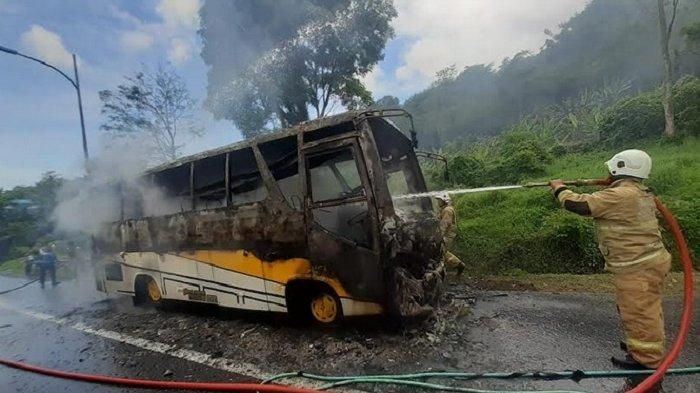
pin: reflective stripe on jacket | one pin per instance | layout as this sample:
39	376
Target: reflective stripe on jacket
627	228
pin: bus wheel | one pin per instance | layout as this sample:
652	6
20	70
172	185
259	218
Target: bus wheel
153	292
147	291
325	307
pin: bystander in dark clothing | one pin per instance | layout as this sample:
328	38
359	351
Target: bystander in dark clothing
47	263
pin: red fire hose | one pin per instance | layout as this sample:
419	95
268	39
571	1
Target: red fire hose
687	315
154	384
644	386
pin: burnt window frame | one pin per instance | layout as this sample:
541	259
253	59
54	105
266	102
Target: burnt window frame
268	172
350	140
261	170
337	176
193	180
151	178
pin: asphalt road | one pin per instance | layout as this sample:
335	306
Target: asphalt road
72	327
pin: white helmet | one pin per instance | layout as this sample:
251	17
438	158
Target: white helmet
635	163
444	197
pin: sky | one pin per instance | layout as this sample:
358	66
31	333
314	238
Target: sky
39	121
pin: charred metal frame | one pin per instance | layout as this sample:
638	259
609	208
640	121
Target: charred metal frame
274	226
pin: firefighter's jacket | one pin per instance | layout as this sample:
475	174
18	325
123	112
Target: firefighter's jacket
448	223
626	224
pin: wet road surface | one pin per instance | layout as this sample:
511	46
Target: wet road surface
72	327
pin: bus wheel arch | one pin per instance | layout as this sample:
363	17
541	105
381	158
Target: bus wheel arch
146	290
313	300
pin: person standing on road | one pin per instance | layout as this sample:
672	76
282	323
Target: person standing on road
630	241
47	262
448	227
29	262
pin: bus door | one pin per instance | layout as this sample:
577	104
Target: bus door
341	217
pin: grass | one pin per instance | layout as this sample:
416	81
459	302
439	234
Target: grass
526	230
15	268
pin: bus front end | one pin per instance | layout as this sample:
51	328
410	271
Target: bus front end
411	241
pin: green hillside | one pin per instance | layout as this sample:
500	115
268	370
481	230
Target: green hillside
610	42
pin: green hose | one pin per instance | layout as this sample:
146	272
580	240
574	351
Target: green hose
410	379
545	375
432	386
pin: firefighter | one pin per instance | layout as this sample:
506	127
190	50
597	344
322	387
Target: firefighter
448	227
630	241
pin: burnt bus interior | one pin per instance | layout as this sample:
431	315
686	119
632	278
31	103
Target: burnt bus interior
234	178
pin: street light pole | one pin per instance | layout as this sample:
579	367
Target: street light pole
75	83
80	108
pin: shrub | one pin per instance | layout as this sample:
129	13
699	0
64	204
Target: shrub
521	154
468	171
633	119
686	97
642	117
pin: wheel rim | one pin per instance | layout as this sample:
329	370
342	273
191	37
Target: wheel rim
324	308
153	291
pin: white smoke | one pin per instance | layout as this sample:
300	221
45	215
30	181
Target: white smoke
85	204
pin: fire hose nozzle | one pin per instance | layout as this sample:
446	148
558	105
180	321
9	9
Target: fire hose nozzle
577	183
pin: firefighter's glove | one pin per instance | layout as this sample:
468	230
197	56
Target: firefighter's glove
556	184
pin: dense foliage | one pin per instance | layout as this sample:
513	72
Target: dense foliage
608	42
24	226
528	146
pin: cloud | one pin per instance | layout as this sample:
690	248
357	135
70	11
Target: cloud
180	51
136	41
176	32
179	13
440	33
47	46
473	32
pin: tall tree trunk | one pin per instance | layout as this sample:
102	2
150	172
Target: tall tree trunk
665	35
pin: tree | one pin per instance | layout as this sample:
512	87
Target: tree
447	74
156	105
387	102
666	29
287	56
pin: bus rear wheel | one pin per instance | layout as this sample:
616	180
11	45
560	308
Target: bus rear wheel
325	308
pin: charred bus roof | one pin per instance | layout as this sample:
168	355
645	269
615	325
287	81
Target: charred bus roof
348	118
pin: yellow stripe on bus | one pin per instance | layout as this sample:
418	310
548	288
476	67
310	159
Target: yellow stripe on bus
280	270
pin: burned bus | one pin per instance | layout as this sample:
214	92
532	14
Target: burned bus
305	221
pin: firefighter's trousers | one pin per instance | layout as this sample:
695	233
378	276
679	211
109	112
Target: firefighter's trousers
451	260
639	303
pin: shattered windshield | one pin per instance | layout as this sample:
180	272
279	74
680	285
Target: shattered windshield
401	171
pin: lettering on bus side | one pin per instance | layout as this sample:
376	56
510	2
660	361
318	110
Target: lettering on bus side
200	296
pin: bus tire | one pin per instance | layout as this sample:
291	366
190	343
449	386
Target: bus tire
146	291
313	301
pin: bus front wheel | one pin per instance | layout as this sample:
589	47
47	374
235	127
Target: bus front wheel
309	300
325	307
147	292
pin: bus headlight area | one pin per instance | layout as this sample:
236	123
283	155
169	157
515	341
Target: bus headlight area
304	221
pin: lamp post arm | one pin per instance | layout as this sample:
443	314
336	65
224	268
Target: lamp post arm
72	82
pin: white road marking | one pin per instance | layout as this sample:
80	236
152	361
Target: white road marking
233	366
